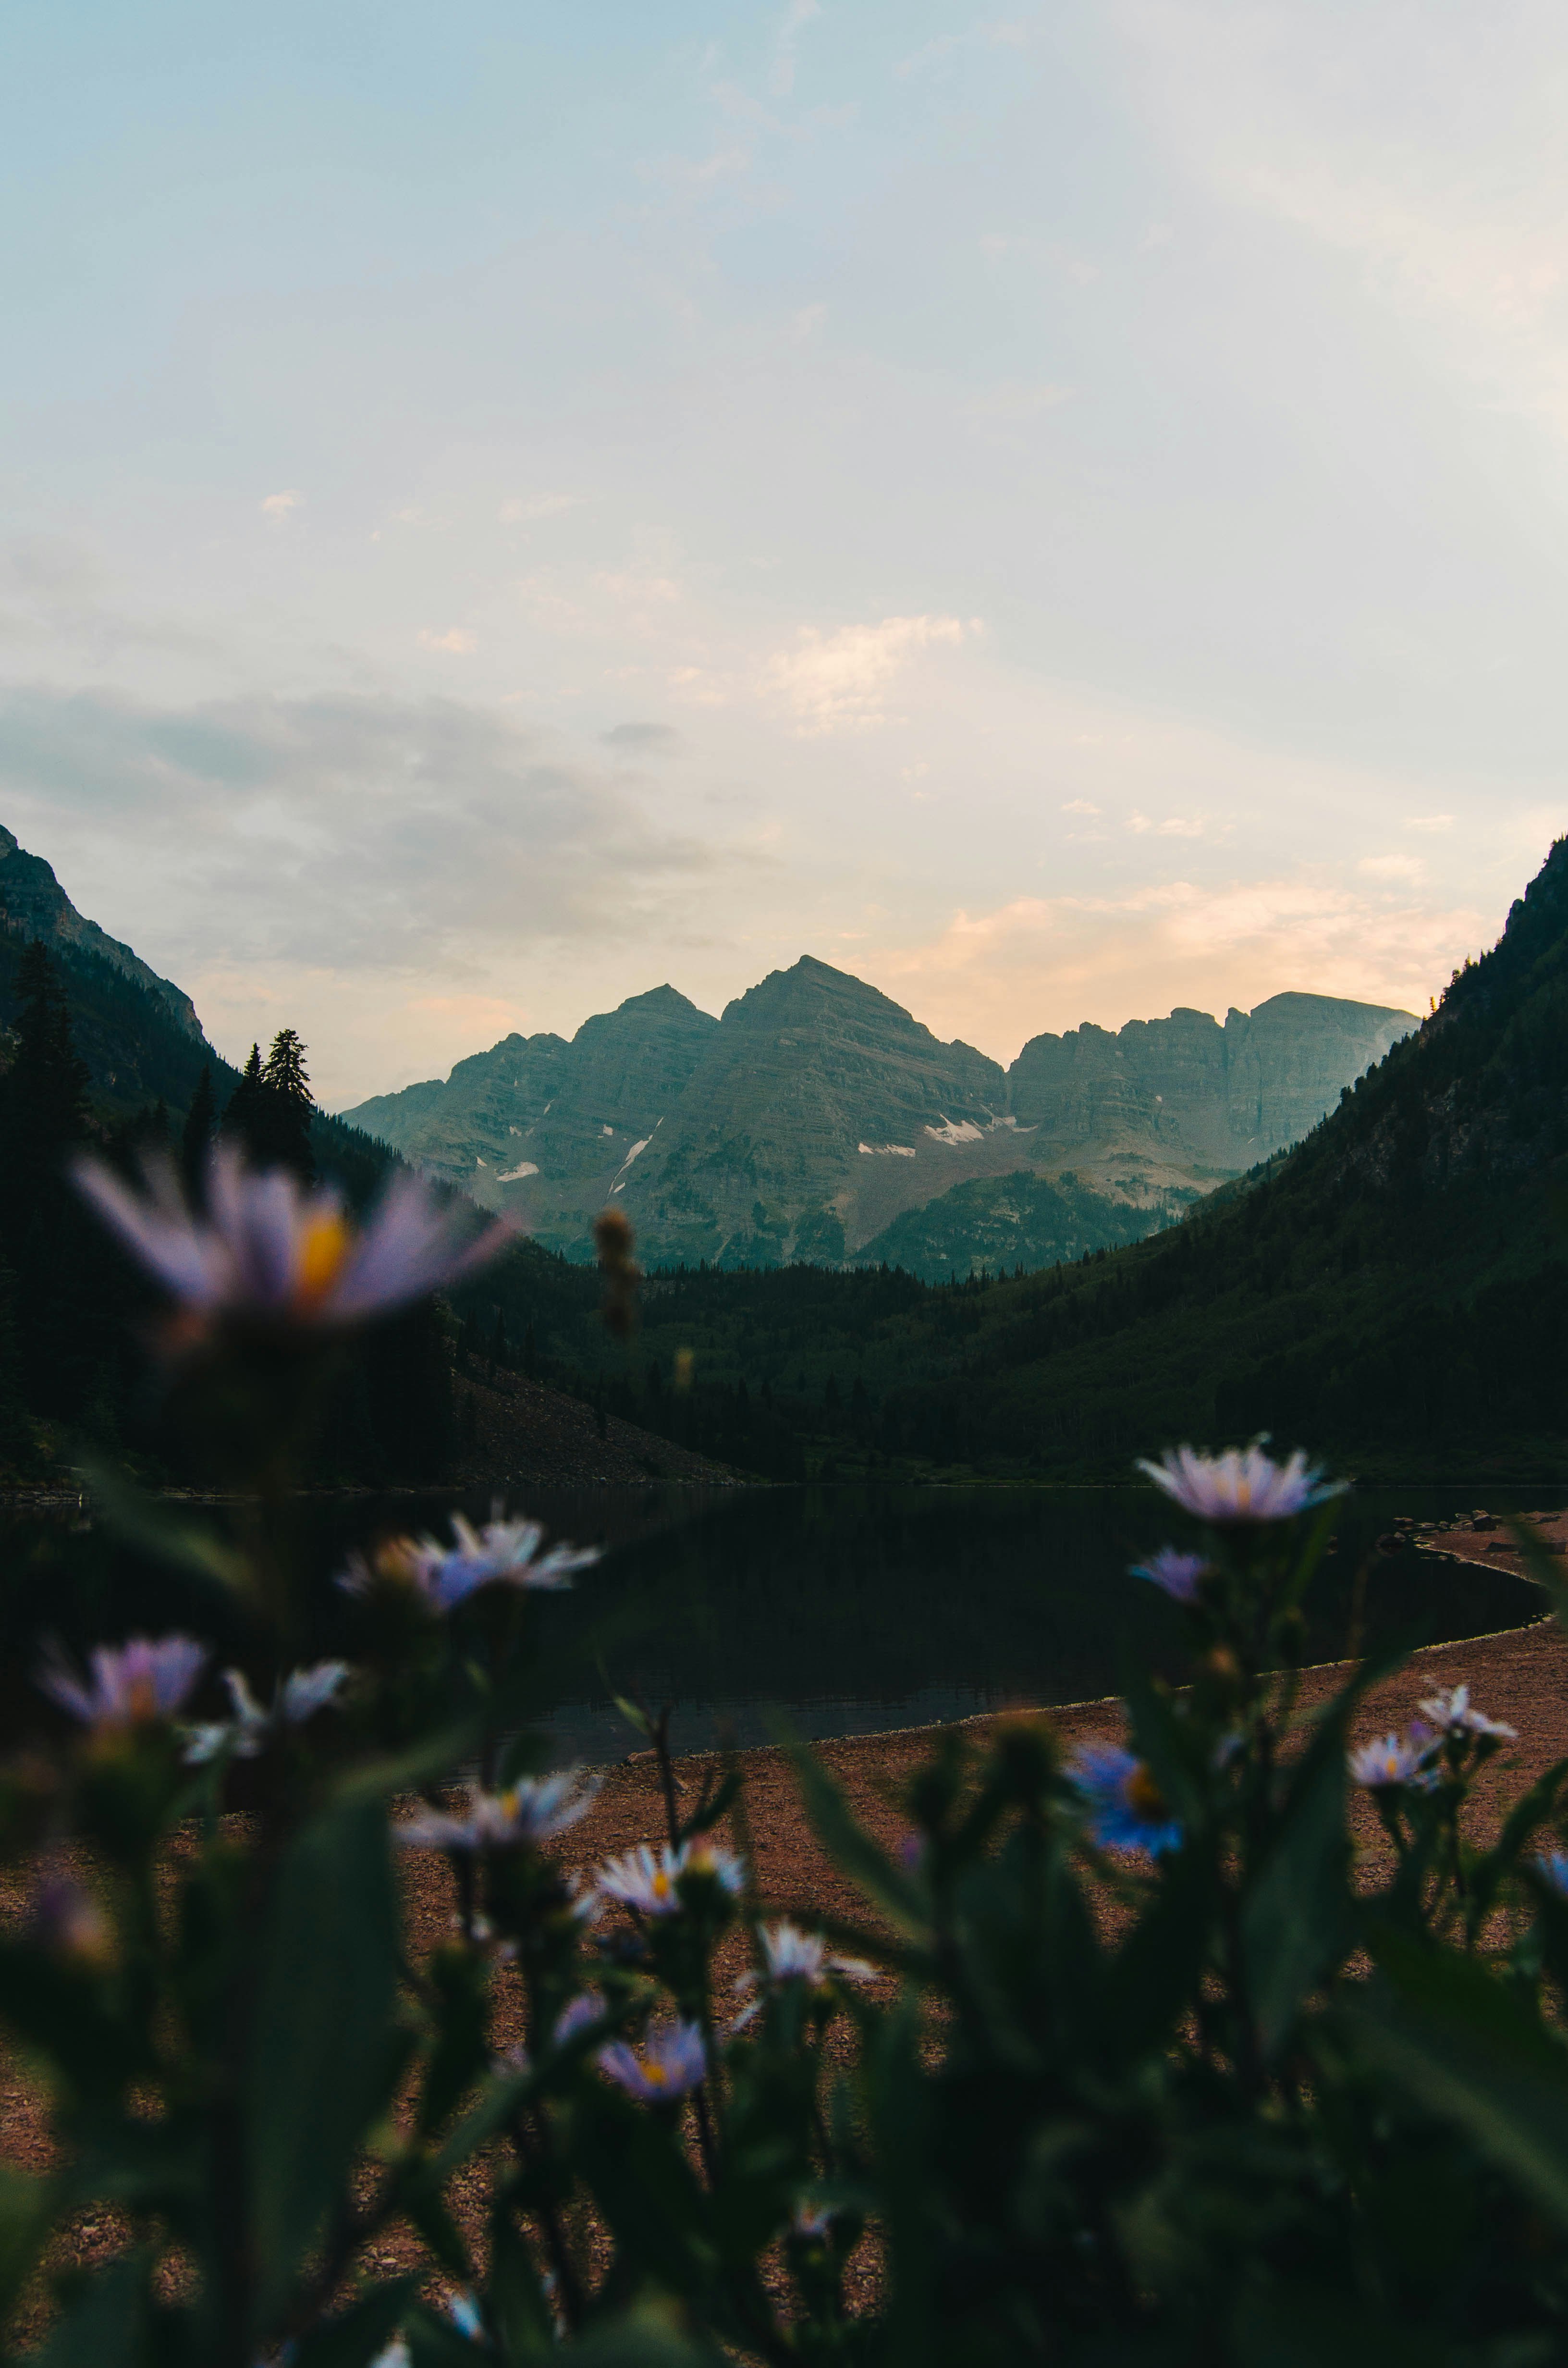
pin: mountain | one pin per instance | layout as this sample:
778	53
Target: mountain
34	905
1393	1293
815	1115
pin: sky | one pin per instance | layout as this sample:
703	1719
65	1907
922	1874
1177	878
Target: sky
1062	513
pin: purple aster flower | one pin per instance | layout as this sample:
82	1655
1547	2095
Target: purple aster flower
131	1684
1391	1761
578	2014
811	2222
299	1697
66	1918
527	1813
504	1552
667	2065
1451	1712
650	1884
1243	1485
1126	1808
268	1248
790	1955
1173	1572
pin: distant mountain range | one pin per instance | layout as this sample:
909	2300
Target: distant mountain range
817	1120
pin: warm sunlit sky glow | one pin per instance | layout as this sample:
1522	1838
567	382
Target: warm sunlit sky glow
1061	513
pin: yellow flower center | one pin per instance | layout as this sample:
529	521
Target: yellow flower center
323	1246
662	1885
655	2074
1144	1796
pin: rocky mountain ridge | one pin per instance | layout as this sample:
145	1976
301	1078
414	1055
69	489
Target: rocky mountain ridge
34	905
815	1112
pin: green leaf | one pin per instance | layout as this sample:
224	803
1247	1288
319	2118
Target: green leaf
900	2103
1297	1919
356	2336
103	2325
651	2334
27	2208
851	1847
152	1529
1471	2051
322	2057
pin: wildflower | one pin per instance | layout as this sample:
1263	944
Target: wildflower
1552	1868
812	2222
132	1684
508	1551
1391	1761
64	1918
268	1248
667	2065
1173	1572
1451	1713
527	1813
650	1885
302	1694
791	1955
1127	1809
578	2014
1242	1486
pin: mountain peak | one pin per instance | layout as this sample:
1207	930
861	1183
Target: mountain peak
34	905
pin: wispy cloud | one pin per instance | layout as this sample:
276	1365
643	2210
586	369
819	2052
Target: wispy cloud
781	72
349	832
279	507
839	681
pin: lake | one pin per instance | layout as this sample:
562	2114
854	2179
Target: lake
852	1609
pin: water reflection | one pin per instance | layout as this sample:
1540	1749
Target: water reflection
850	1609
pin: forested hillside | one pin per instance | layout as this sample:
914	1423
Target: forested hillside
1395	1291
92	1059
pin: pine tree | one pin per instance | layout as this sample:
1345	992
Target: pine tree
289	1105
242	1118
69	1286
195	1136
43	1096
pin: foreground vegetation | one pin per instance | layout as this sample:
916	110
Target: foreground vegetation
1128	2060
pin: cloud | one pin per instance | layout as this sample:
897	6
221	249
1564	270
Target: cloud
832	682
1430	822
781	72
1080	806
1052	962
457	640
347	832
523	508
1002	33
1393	867
281	506
1017	402
645	739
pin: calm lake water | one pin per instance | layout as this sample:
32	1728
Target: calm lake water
846	1609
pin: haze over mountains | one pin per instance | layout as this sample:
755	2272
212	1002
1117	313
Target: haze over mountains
816	1120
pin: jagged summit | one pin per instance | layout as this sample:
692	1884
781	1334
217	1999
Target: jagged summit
34	905
815	1110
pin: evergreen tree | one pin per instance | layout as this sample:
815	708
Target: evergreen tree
287	1106
201	1121
43	1096
242	1118
69	1288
